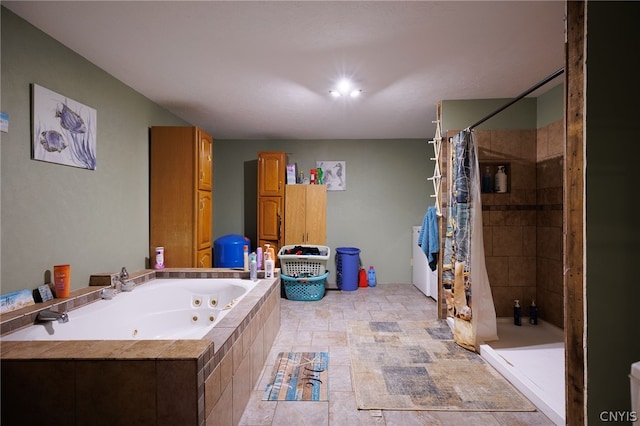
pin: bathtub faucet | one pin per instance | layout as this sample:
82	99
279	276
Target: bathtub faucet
48	315
126	284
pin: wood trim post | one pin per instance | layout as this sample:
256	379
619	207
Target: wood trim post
574	210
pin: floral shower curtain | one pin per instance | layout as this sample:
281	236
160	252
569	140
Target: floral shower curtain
464	274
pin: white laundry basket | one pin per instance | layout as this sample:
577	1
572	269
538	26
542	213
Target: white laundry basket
635	390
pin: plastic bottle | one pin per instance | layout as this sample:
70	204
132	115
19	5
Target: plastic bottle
501	180
533	313
253	267
371	275
245	257
259	258
487	180
268	265
517	313
159	258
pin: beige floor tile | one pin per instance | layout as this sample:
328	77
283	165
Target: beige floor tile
321	326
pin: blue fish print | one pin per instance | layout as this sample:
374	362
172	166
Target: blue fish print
70	120
52	141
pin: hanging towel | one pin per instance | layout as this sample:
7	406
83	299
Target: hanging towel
428	238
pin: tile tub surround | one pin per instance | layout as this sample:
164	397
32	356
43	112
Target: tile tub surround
146	381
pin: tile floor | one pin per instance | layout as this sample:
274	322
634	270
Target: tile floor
321	326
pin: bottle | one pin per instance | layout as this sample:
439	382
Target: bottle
362	278
313	176
253	267
320	181
372	276
501	180
517	313
533	313
245	257
159	258
259	258
268	250
487	184
268	266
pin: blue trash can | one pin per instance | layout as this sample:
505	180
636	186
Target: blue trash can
347	268
228	251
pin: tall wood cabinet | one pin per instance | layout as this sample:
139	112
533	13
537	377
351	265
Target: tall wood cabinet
271	183
181	199
305	214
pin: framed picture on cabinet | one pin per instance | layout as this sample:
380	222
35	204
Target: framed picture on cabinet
334	174
63	130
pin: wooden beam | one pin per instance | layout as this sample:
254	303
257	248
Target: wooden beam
574	208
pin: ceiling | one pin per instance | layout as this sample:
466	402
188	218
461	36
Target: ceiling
263	70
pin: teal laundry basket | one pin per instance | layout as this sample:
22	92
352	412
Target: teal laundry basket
347	268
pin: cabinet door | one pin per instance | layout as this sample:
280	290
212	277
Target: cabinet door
294	215
203	259
203	224
269	215
205	161
315	214
271	173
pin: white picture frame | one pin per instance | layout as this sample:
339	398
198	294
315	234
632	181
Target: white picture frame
63	130
334	174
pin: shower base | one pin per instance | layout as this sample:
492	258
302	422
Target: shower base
531	357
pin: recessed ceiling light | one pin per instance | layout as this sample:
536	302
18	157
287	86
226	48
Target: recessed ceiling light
345	88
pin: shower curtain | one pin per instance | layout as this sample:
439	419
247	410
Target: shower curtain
464	274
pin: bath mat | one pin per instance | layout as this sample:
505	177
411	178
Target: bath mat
416	365
299	376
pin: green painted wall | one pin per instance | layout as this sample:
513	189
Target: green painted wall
97	221
612	226
387	192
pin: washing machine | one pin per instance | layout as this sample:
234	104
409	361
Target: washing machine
423	277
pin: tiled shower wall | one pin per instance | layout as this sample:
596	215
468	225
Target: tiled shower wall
523	228
549	234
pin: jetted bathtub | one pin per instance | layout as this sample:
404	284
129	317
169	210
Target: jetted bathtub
159	309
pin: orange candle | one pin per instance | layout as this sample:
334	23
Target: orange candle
62	280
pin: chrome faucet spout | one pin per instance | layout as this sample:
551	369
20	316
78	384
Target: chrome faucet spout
48	315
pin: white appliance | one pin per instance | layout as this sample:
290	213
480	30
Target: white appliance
424	278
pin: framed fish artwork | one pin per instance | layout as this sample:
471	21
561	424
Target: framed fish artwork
64	130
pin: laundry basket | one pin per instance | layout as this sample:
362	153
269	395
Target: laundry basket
297	265
306	288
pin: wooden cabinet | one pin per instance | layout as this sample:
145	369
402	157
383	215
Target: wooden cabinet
181	199
271	175
305	214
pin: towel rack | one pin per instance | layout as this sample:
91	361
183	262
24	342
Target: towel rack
437	176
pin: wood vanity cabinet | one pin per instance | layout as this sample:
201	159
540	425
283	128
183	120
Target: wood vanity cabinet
181	199
271	183
305	214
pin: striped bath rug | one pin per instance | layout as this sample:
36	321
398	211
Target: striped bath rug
299	376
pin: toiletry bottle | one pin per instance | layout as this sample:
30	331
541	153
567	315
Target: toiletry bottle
268	266
487	184
159	258
259	258
533	313
245	257
372	276
253	267
320	181
501	180
517	313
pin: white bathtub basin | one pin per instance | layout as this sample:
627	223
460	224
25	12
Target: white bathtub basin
160	309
